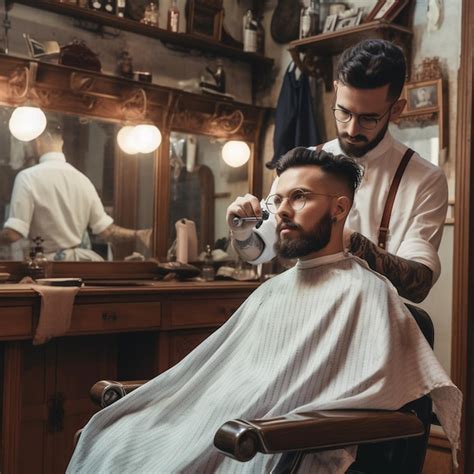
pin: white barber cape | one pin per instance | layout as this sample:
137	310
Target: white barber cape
326	334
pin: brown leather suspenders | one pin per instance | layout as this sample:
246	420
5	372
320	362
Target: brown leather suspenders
387	213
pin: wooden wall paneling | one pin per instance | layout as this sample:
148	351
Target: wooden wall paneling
11	411
462	365
81	362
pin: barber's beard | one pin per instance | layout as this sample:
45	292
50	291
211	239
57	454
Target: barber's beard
306	242
357	151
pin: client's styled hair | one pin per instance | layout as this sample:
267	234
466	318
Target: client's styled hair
339	166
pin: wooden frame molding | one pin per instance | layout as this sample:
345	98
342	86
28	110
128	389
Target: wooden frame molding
462	365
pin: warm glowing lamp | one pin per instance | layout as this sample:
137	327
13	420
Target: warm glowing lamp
147	138
27	123
126	140
236	153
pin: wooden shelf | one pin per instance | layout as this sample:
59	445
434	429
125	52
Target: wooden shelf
329	44
318	50
184	40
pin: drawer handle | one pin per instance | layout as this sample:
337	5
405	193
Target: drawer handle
106	316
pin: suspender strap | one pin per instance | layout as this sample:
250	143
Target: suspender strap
383	230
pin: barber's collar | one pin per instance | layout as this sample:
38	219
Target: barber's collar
318	261
380	150
52	156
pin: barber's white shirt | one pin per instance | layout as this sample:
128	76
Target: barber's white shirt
419	210
55	201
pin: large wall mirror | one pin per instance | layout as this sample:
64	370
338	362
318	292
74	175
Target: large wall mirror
124	183
202	185
144	191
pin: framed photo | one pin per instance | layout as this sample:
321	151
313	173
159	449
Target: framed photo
330	23
349	21
386	10
205	18
424	96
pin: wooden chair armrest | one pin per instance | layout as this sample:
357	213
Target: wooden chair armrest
106	392
329	429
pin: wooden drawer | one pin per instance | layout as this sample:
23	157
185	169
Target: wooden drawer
203	312
112	317
16	322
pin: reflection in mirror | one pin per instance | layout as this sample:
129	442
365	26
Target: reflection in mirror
202	186
61	212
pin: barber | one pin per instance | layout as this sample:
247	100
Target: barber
397	218
55	201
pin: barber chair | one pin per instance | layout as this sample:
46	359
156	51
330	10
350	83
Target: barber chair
389	442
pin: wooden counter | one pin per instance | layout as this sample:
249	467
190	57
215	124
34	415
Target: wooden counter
126	332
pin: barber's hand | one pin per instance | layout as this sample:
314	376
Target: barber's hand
243	206
144	237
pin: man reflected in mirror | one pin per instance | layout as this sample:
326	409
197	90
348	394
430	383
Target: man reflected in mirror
55	201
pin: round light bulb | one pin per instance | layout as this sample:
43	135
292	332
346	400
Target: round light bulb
147	138
127	141
235	153
27	123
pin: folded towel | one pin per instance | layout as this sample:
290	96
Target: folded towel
56	309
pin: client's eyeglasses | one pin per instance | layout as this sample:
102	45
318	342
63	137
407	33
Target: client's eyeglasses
297	200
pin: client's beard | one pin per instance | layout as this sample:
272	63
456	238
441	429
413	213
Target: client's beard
307	242
354	151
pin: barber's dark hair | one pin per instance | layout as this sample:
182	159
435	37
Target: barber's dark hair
373	63
341	167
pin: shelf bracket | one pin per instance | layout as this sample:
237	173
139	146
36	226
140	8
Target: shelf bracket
313	65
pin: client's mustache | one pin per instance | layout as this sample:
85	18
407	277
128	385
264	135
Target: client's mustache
286	225
358	138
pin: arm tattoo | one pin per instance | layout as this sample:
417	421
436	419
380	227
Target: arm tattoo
250	248
119	235
413	280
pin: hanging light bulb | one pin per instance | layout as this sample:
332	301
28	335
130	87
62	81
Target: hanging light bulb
27	123
147	138
126	140
235	153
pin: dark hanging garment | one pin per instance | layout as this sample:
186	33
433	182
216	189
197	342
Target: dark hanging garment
294	117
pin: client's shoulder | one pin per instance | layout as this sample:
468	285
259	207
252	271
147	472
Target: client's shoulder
364	276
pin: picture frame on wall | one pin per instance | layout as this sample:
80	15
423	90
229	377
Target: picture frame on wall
349	21
386	10
204	18
423	96
330	23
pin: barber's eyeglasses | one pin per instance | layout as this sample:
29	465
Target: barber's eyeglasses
297	200
369	122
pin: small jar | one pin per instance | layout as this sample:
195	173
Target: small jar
152	14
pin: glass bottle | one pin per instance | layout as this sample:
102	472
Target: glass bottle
152	15
173	17
314	13
208	269
309	19
40	264
121	4
250	33
109	6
